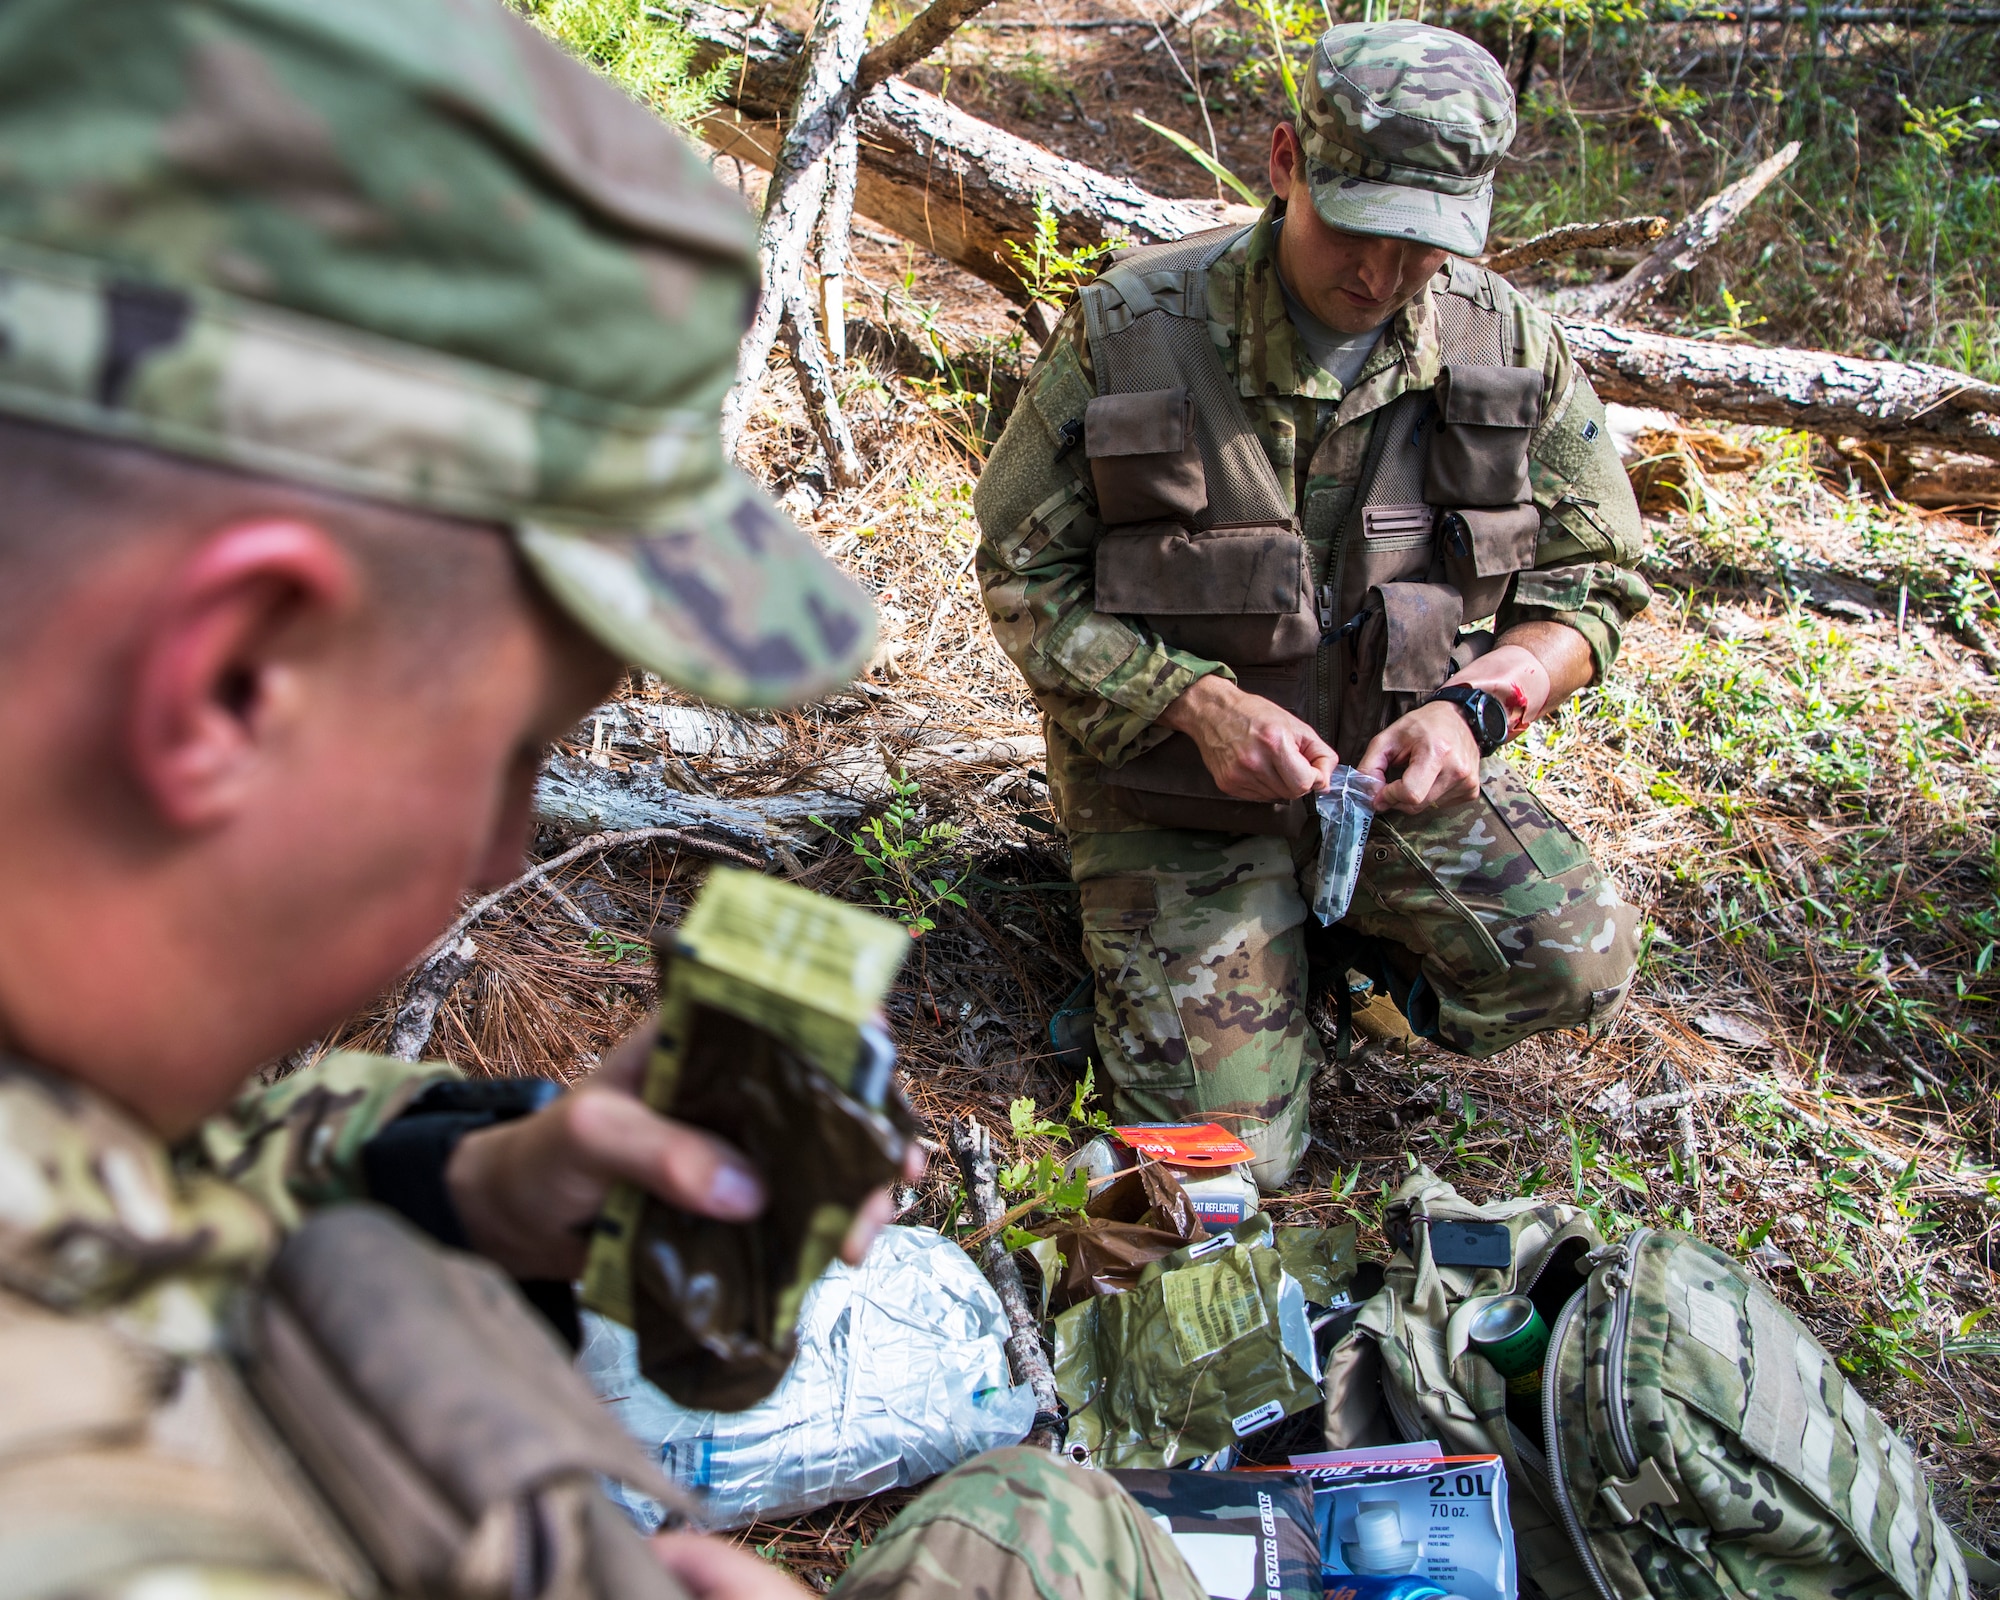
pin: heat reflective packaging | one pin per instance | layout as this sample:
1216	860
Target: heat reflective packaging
1346	808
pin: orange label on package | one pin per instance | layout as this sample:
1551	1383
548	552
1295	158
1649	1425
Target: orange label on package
1187	1144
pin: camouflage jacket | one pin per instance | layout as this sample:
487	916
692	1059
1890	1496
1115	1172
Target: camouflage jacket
1103	680
127	1446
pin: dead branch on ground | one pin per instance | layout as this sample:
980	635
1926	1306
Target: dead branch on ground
1574	236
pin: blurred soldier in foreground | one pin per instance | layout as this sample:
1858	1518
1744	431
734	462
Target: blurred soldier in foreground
359	373
1260	489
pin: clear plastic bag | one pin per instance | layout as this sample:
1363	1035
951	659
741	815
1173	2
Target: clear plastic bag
1346	808
901	1374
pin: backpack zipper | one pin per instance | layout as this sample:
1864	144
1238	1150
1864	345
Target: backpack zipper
1552	1441
1618	1278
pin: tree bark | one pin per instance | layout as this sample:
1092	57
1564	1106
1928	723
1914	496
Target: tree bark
800	174
1839	396
836	238
962	188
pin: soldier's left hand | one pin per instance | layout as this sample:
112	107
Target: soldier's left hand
1435	754
527	1191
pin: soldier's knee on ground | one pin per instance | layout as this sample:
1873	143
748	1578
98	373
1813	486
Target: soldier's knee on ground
1519	930
1196	946
1569	967
1021	1524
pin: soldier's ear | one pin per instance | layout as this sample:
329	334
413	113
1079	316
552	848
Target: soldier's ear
221	669
1286	154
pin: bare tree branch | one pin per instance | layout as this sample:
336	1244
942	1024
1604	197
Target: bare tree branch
1574	236
1681	249
927	30
799	179
972	1149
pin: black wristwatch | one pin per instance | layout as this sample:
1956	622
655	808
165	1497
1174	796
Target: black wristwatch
1484	715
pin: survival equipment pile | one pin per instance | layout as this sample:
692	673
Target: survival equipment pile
1691	1438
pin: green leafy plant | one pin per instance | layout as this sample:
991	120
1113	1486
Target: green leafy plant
910	871
645	51
615	950
1202	159
1037	1176
1048	270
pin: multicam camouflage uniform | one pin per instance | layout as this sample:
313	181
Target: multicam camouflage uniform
1196	938
406	250
130	1455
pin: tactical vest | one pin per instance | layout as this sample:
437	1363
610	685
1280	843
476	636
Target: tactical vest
1348	615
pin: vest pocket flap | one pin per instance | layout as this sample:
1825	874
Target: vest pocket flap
1154	422
1422	621
1499	540
1160	569
1491	397
1479	456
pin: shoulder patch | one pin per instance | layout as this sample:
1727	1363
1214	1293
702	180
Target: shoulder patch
1060	391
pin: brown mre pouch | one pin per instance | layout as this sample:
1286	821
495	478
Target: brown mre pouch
1144	459
435	1413
1239	595
1139	1217
1479	453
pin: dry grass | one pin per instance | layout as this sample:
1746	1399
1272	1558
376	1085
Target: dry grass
1800	795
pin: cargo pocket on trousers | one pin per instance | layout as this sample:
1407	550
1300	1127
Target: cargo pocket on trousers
1408	891
1139	1026
1544	838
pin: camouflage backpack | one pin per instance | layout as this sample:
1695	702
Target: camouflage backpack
1695	1441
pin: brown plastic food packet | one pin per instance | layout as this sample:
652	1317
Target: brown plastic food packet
768	1040
1139	1217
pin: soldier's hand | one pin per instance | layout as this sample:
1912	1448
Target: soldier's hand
527	1191
1254	748
714	1569
1433	752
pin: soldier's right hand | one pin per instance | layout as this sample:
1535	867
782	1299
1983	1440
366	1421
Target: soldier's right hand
1254	748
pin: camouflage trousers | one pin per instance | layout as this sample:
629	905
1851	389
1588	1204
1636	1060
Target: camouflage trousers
1021	1525
1198	942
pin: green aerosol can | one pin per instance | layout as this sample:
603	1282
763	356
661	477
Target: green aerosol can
1509	1332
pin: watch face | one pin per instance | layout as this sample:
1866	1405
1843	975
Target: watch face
1492	720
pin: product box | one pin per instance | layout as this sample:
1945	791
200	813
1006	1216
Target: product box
1443	1520
1211	1163
1248	1535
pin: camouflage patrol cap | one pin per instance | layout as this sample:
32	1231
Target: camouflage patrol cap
408	249
1404	126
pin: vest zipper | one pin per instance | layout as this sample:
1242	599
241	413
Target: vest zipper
1553	1439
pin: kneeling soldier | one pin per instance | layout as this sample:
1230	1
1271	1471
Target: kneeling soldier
1318	485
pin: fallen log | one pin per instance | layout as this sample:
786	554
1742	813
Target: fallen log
1840	396
930	172
963	188
578	796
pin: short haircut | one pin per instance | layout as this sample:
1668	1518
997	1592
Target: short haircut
67	499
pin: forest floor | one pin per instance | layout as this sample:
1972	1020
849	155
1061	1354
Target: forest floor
1794	773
